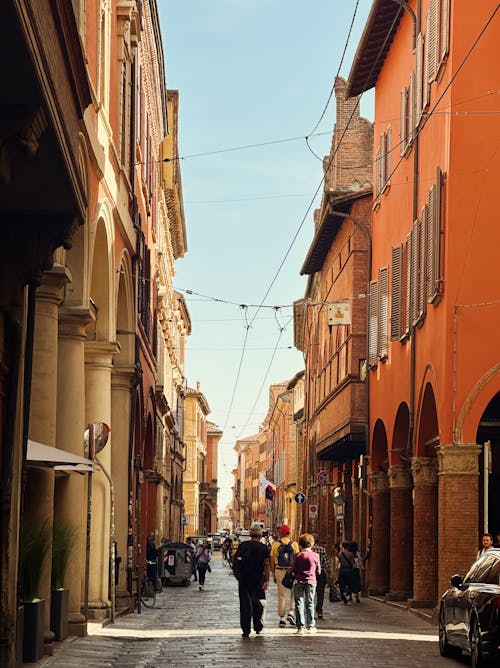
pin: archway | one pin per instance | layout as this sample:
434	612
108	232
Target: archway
488	432
379	514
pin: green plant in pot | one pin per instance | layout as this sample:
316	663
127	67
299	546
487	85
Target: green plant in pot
33	548
63	538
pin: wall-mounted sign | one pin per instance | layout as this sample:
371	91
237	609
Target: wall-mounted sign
339	313
323	477
313	510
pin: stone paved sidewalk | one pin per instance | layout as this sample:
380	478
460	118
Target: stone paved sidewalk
201	629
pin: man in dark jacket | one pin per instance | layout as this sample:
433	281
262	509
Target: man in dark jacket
251	568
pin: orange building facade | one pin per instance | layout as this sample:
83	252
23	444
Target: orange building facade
434	377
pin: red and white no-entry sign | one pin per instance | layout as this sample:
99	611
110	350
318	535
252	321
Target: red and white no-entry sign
313	510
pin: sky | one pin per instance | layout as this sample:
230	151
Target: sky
251	72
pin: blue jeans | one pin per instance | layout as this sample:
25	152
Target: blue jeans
304	604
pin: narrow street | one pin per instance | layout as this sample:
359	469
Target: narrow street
197	629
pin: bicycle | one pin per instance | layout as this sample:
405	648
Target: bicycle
149	586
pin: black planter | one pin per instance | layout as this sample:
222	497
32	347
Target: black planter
19	634
34	613
59	610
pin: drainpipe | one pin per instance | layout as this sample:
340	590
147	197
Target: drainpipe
111	537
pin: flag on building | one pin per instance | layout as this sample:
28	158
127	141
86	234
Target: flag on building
266	487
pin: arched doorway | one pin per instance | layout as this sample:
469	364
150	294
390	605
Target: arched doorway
379	514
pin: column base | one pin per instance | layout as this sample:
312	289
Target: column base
99	610
420	603
77	625
377	591
398	596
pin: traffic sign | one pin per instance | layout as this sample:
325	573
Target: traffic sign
313	510
323	477
300	498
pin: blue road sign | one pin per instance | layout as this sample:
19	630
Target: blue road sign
300	498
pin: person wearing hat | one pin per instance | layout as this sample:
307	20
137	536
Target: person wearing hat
283	551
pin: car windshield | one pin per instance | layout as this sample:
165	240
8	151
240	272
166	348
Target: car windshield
480	569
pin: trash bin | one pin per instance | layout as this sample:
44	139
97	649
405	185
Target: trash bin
177	562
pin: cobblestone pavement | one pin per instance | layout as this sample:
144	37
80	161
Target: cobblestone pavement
201	629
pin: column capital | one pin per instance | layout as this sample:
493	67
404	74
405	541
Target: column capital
458	459
101	353
379	481
399	476
51	288
72	323
424	470
123	376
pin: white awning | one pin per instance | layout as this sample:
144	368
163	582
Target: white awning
46	454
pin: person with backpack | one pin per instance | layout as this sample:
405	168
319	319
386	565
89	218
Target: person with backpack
282	554
251	568
306	568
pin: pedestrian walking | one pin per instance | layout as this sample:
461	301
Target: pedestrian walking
357	568
152	560
202	558
346	577
282	553
306	568
323	578
251	567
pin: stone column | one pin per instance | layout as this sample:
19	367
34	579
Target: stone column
98	366
39	496
401	532
121	387
425	519
70	496
458	523
378	563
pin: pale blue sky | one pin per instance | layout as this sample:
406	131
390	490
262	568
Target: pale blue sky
248	72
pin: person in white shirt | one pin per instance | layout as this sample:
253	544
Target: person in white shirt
487	544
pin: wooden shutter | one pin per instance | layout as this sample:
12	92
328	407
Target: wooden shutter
412	108
433	37
408	283
419	78
422	263
444	42
396	292
430	244
373	324
437	235
426	89
383	311
415	246
403	124
379	172
388	147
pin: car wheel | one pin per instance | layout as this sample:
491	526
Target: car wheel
477	658
445	649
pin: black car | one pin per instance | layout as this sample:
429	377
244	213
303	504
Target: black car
469	612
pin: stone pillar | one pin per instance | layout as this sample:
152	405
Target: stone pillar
458	484
401	532
70	491
39	496
378	563
121	387
98	366
425	532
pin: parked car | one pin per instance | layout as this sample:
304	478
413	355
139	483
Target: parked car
469	612
216	541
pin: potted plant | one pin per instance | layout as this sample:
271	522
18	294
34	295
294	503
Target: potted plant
33	548
63	537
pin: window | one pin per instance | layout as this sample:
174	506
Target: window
415	247
422	229
373	324
383	312
383	162
396	292
437	37
403	122
433	269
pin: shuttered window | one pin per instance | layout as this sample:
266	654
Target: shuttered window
396	292
379	172
403	121
408	255
419	79
434	240
444	45
383	311
426	89
373	325
415	247
433	38
388	148
422	263
412	108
